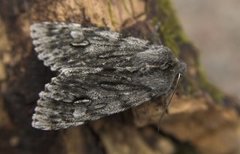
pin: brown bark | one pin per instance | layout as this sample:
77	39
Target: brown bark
201	119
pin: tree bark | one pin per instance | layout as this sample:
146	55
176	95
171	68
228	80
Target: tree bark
201	119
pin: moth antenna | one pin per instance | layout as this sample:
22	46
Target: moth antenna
168	103
174	90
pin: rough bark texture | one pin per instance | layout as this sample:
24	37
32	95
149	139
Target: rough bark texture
201	118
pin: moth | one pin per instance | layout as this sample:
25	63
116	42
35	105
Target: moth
99	73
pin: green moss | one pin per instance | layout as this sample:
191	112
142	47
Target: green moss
216	94
174	37
172	33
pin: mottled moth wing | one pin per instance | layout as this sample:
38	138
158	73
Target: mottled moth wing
100	72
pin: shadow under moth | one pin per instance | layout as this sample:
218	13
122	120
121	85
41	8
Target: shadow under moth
100	72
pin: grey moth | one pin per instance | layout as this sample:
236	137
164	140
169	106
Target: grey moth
100	72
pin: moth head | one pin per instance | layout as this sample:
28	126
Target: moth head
156	57
158	68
